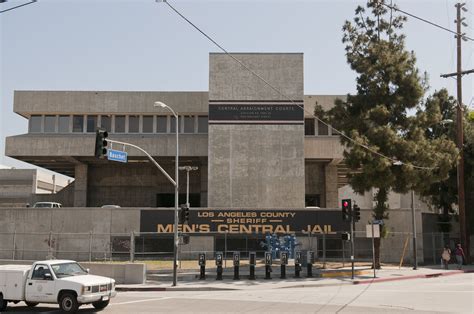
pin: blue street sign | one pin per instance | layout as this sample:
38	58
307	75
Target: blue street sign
116	155
378	222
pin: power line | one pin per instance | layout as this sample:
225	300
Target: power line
393	160
18	6
426	21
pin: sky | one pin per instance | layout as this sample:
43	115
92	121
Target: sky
142	45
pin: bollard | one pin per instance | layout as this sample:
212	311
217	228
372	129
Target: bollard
219	259
268	265
236	259
310	258
297	264
284	262
252	262
202	266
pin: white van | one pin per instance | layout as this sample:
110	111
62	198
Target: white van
47	205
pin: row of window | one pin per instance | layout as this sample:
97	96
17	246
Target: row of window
314	127
117	123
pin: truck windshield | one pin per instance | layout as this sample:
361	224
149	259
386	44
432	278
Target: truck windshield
68	269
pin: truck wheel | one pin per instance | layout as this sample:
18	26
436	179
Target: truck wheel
99	305
3	303
68	303
31	304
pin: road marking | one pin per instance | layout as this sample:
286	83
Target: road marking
139	301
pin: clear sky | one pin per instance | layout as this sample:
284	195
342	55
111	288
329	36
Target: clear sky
142	45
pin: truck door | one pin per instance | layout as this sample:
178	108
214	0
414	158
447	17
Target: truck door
40	286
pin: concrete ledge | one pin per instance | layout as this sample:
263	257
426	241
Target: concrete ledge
126	273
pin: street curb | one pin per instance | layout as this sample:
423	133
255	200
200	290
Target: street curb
432	275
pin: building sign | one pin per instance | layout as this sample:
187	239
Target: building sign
246	221
258	112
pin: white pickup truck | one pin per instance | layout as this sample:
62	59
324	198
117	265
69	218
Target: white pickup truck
54	281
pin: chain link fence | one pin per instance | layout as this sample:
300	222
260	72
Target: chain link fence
395	247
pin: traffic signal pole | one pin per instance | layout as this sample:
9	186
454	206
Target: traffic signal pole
352	246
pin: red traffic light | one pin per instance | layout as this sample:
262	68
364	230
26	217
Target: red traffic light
345	204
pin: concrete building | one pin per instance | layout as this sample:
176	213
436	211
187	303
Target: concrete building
255	149
19	187
249	152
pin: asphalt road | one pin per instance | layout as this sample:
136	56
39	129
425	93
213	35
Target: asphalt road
447	294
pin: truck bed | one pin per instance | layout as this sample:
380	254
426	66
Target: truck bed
12	281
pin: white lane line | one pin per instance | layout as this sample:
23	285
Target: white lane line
139	301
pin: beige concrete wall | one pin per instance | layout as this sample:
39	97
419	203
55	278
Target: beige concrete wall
110	102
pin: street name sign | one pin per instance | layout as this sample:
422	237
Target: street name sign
116	155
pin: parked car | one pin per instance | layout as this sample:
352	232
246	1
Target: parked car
63	282
110	206
47	205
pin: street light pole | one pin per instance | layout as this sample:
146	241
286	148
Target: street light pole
413	220
176	196
188	168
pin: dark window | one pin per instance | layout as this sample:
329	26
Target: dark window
202	124
309	127
105	123
78	124
161	124
63	125
322	129
39	272
173	123
35	124
91	124
312	200
119	124
147	124
188	124
49	124
133	124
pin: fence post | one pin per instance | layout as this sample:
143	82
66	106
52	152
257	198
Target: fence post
14	244
343	253
324	250
132	246
90	246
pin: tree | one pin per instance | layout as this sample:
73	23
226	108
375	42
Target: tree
376	122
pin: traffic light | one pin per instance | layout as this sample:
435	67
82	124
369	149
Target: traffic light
184	214
100	143
346	236
346	209
356	213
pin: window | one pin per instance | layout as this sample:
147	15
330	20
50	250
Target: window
202	124
322	129
147	124
49	124
105	123
173	124
188	124
312	200
91	124
40	271
309	127
78	124
63	125
119	124
133	124
35	124
161	124
334	132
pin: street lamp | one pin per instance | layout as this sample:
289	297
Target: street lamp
187	168
176	190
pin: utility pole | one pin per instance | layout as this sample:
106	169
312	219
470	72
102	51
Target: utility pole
459	130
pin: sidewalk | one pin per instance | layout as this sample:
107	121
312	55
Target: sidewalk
190	282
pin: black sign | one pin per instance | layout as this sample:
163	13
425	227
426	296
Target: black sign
268	258
202	259
254	112
246	221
